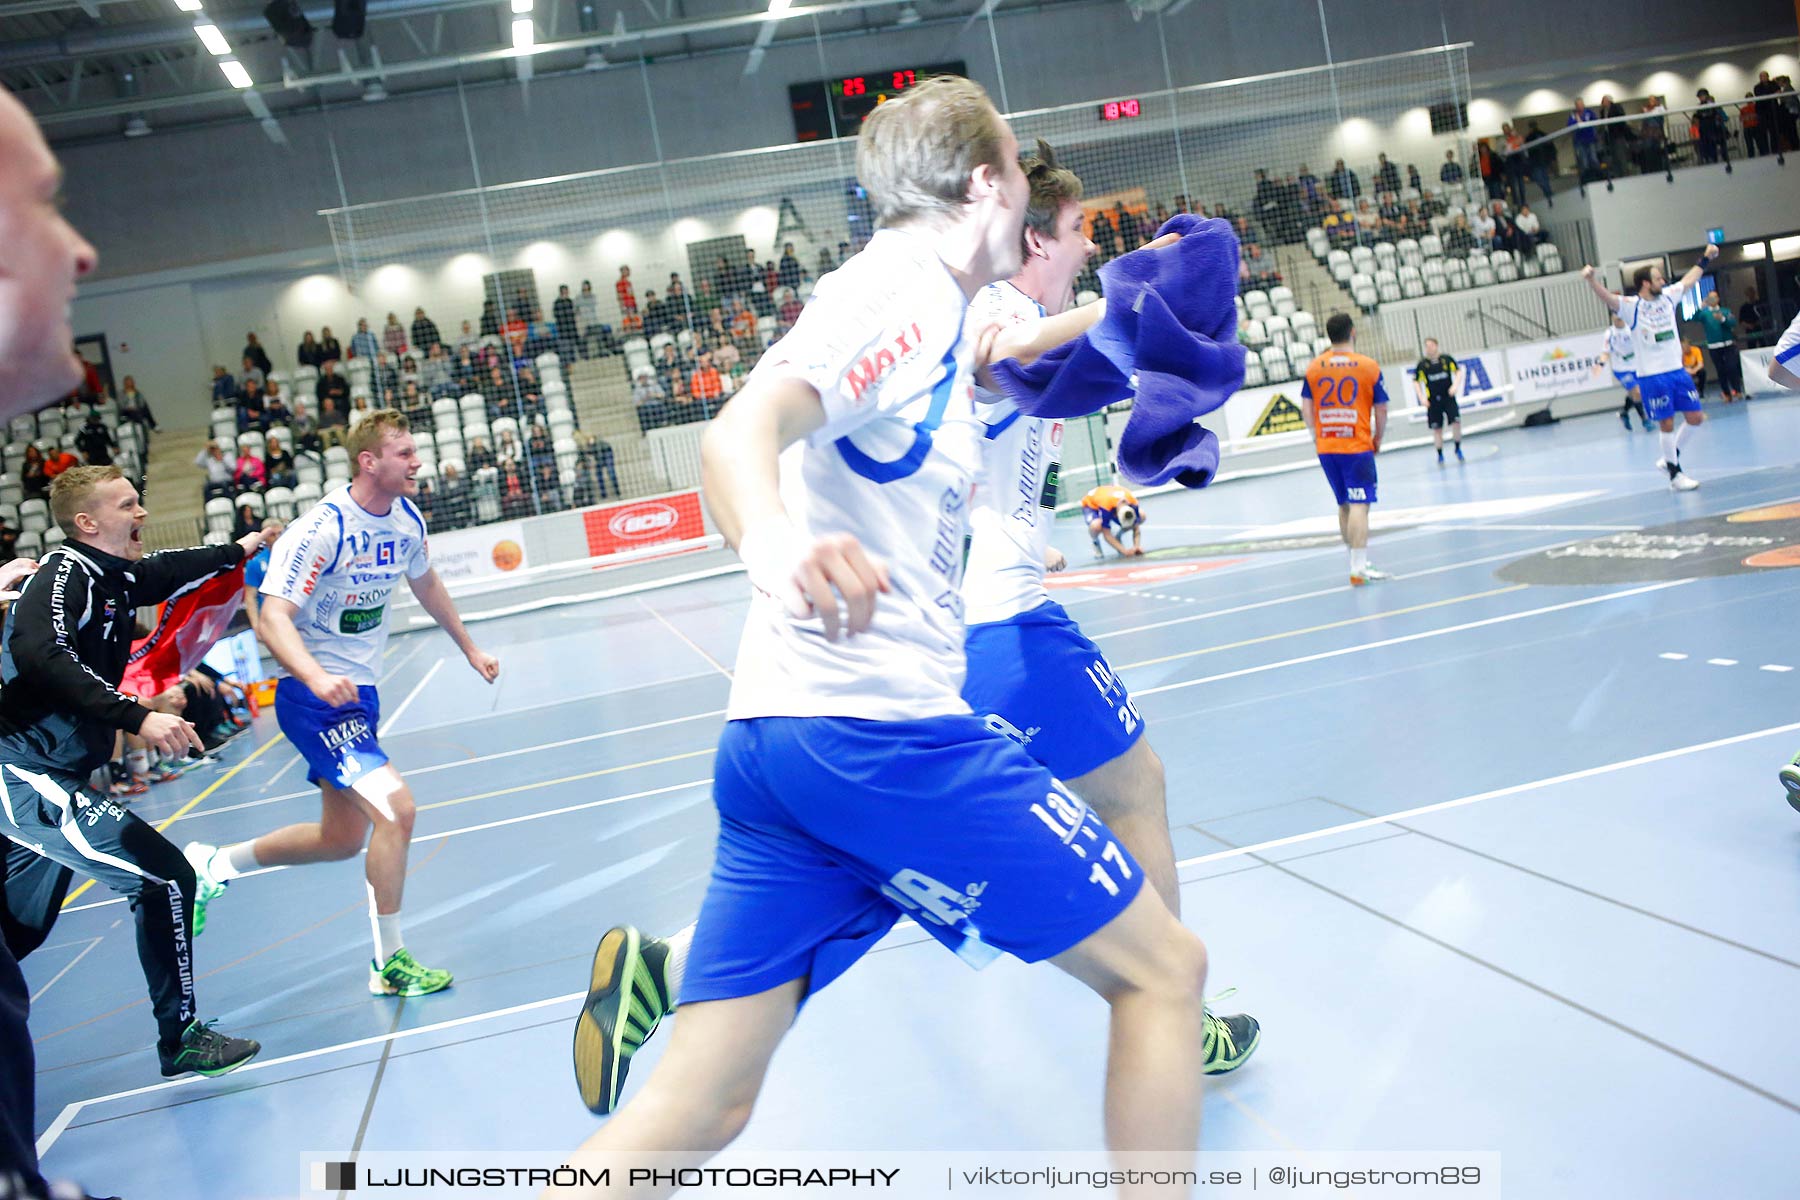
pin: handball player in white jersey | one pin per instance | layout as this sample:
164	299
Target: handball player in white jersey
1652	315
1784	371
324	615
853	783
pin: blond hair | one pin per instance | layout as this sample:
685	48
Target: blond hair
368	432
71	491
1052	186
916	152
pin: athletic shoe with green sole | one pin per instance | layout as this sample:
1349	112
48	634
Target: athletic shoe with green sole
206	888
1790	779
1230	1041
628	996
403	976
206	1051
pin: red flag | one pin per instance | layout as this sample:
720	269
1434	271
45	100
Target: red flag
191	622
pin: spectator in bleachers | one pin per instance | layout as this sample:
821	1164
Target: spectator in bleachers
568	325
362	342
548	486
34	476
516	331
329	349
1451	173
1413	222
409	371
490	319
1768	112
1721	345
1343	183
331	386
588	335
538	448
594	462
96	441
1753	317
1431	206
424	332
650	399
1387	175
1709	129
251	373
310	353
727	359
480	456
417	407
278	465
1339	226
1506	234
467	373
1787	114
452	500
1412	177
655	315
1459	239
250	406
679	306
1618	136
1265	203
467	339
305	429
515	497
1694	365
1390	212
224	387
359	408
789	310
256	354
1312	196
133	407
1368	223
218	470
704	387
627	298
435	376
1755	136
1483	228
1261	270
1531	230
827	264
789	273
1586	140
9	541
507	448
1487	165
393	336
1514	161
248	474
1653	136
58	461
332	421
1543	158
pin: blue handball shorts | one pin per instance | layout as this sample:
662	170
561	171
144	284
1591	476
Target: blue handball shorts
1038	680
1352	476
831	829
1668	393
1628	379
338	744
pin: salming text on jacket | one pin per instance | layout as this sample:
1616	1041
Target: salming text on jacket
66	642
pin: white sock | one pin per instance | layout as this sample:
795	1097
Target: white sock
1670	445
1681	434
228	862
680	944
386	928
137	762
1359	559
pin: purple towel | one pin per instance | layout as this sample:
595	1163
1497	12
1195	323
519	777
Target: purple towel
1171	321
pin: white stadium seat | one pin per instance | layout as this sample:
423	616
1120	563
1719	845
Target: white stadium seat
1274	363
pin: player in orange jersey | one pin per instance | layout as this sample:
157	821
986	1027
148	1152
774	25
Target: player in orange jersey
1110	507
1345	406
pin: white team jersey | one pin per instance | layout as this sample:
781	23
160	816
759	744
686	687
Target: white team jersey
1015	502
1621	349
337	564
882	342
1787	350
1654	323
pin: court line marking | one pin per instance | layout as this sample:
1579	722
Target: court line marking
1411	637
518	820
1347	621
481	758
1335	590
91	943
1495	794
410	697
1455	527
691	643
67	1115
181	812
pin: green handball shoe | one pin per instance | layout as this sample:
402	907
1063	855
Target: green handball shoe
1790	779
1230	1041
628	996
206	888
403	976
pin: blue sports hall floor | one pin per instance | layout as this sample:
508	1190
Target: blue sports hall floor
1495	850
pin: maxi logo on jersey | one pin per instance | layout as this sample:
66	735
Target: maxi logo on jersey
868	372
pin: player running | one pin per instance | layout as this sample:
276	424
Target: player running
1653	315
1345	405
853	783
1033	676
1109	507
1621	356
1438	382
324	616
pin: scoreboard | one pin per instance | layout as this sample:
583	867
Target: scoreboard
844	102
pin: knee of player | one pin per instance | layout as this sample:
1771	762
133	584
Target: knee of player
401	809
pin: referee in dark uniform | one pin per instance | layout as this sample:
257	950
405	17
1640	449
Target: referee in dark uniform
66	642
1438	381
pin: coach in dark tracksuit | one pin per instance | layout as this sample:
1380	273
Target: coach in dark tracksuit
65	645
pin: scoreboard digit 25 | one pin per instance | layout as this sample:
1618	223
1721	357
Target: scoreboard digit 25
829	106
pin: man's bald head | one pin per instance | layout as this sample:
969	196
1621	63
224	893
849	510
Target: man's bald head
41	258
